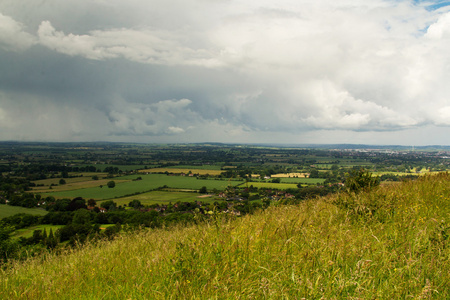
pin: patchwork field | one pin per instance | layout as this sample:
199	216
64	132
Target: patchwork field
182	170
126	186
72	184
287	175
120	167
163	197
303	180
203	167
270	185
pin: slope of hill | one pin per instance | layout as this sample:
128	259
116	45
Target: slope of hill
7	211
392	242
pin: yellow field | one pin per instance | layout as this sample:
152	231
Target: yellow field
185	171
287	175
421	173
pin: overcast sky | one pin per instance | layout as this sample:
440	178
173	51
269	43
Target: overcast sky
285	71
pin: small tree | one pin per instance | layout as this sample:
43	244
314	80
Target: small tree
92	202
82	216
361	180
135	204
111	184
203	190
51	242
109	205
62	181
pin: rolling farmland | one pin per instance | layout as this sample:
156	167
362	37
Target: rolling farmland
126	186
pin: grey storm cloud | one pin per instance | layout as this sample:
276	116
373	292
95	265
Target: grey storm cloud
216	70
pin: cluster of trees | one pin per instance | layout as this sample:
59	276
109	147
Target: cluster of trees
10	186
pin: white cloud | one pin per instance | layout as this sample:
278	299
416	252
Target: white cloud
71	44
13	36
442	116
441	28
145	46
175	130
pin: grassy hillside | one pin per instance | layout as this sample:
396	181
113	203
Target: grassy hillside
391	243
7	211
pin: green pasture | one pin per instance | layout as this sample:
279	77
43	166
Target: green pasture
87	176
71	184
163	197
202	167
123	168
302	180
28	232
149	182
269	185
8	210
180	170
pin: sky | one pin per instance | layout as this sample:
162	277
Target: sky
254	71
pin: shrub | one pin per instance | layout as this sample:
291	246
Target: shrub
111	184
361	180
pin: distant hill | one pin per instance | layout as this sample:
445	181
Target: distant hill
9	144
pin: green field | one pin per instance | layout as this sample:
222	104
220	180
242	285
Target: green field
163	197
302	180
71	183
7	210
202	167
28	232
270	185
181	170
120	167
149	182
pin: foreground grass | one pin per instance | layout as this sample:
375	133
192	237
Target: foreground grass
390	243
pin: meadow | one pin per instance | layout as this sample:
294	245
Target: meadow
269	185
303	180
52	184
178	170
124	168
7	211
198	167
163	197
388	243
28	232
287	175
128	185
